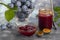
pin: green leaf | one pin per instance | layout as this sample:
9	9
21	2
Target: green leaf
55	19
57	8
9	14
59	24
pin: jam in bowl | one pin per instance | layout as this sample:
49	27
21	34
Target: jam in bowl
27	30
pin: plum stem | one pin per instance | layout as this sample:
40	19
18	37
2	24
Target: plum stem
5	5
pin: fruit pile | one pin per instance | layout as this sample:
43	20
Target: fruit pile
24	8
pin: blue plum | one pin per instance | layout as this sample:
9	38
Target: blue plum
24	8
13	1
28	3
19	9
18	3
11	5
23	0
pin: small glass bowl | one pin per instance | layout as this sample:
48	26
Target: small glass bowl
27	30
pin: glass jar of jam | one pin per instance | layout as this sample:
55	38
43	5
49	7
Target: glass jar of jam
45	15
45	19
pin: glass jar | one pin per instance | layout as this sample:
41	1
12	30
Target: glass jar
45	16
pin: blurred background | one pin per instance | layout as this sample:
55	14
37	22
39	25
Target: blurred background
56	2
